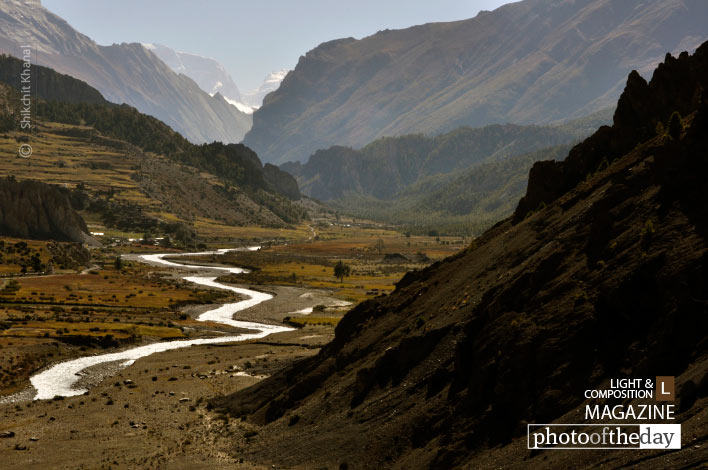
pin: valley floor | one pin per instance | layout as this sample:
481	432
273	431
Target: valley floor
154	414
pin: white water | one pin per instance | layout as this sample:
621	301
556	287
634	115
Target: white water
61	378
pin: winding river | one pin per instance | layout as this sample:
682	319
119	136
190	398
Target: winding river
61	379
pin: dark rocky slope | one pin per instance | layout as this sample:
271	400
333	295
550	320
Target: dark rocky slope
31	209
607	278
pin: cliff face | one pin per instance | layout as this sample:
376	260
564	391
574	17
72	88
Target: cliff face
30	209
608	279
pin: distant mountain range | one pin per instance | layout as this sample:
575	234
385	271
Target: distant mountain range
209	74
213	78
530	62
123	73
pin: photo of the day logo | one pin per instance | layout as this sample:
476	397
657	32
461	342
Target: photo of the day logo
665	388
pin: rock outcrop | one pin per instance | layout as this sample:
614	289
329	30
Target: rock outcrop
678	85
31	209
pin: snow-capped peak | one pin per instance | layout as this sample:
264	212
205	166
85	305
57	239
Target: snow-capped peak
244	108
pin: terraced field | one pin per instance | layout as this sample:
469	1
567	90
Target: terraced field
126	186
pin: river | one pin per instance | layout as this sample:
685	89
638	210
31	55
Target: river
61	379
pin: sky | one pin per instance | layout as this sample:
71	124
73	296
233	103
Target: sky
252	38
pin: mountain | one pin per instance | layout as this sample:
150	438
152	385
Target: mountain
149	169
213	78
606	277
529	62
31	209
123	73
271	83
459	182
209	74
465	202
388	165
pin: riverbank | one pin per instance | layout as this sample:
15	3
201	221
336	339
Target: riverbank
156	415
61	380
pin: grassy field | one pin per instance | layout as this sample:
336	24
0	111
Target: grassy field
16	253
216	231
86	306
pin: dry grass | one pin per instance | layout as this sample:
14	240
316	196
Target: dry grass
107	288
215	230
97	329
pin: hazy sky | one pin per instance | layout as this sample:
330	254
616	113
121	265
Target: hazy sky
252	37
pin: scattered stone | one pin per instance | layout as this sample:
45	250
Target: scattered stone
128	382
184	399
7	434
20	447
34	439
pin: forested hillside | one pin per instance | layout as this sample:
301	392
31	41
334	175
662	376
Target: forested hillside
460	182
